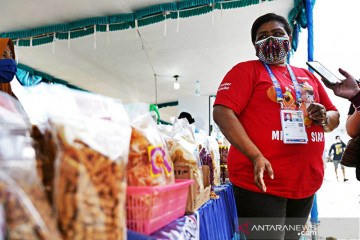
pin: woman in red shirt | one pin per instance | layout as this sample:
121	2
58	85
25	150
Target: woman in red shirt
249	108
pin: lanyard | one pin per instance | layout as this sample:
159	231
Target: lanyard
279	95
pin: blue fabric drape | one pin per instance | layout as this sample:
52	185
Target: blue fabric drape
218	217
310	25
26	78
314	211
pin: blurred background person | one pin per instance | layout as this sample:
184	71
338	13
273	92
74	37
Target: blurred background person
8	65
337	149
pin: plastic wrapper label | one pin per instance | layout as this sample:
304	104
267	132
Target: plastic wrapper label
159	161
156	158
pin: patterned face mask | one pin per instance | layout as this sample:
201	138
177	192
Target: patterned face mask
272	49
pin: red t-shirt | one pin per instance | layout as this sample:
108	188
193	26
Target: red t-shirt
247	89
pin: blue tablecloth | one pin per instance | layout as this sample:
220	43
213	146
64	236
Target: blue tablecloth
218	218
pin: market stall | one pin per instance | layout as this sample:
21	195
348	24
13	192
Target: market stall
115	63
101	167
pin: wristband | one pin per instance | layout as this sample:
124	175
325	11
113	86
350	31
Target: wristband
355	100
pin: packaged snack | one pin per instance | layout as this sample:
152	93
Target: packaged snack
26	211
2	222
90	182
37	101
166	133
58	100
149	161
184	151
12	113
45	152
224	174
206	159
213	147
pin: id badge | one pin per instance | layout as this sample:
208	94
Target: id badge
293	127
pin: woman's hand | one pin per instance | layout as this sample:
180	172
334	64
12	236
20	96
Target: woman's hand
317	112
261	164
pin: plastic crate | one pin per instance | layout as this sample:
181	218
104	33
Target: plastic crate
151	208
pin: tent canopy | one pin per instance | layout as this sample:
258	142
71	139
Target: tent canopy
204	48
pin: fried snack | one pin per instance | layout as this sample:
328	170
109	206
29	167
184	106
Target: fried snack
141	171
27	212
213	195
45	151
90	194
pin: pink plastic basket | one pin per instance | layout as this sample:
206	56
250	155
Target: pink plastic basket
151	208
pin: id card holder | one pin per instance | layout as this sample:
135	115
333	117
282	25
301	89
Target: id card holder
293	127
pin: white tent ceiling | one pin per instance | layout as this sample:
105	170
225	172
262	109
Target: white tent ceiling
202	50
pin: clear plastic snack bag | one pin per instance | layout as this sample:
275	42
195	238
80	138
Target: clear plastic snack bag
184	151
166	133
45	100
150	163
90	185
213	147
27	213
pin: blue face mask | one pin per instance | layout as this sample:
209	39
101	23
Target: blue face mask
8	70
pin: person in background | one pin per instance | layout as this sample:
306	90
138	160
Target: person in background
338	148
272	179
7	65
188	116
349	89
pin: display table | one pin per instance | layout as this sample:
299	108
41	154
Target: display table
217	219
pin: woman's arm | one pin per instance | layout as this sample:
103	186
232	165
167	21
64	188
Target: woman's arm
233	130
353	124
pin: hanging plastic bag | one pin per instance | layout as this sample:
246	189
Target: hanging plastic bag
149	161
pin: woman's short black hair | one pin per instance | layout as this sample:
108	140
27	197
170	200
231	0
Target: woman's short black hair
269	18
